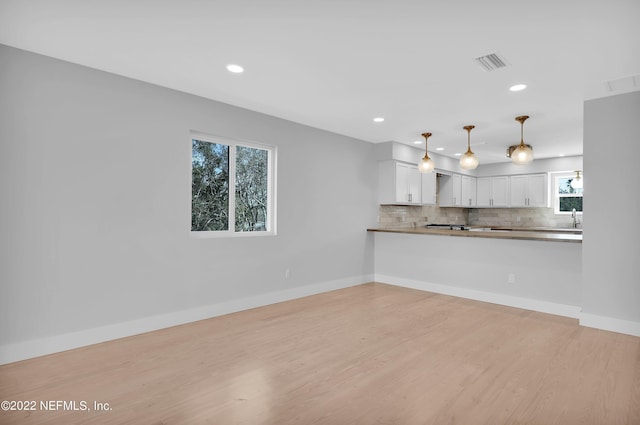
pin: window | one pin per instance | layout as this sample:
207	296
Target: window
232	187
566	198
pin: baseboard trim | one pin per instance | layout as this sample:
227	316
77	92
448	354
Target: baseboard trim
490	297
10	353
610	324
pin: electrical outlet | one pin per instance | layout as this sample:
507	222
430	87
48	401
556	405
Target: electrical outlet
511	278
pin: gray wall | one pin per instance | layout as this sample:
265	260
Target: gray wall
542	165
611	247
95	192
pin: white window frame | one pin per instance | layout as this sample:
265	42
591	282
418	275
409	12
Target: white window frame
271	187
557	196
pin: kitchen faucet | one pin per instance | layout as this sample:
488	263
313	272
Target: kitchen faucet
574	216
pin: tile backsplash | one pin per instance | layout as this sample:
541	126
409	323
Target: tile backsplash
419	215
519	217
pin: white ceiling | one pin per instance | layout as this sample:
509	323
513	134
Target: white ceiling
337	64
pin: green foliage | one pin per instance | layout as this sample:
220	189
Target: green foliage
570	202
209	186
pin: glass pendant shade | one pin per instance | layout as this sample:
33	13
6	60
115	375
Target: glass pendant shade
577	182
469	160
426	164
522	154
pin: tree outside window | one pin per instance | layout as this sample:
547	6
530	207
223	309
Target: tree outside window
566	197
215	168
251	189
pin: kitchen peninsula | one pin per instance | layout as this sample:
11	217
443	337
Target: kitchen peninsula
532	270
532	234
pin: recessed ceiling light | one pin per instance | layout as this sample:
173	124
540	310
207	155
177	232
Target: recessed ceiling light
439	149
378	119
236	69
518	87
457	154
417	142
560	154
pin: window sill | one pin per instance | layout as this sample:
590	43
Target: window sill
227	234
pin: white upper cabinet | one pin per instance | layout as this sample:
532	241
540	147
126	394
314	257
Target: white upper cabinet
399	183
451	190
408	184
457	191
468	192
429	188
519	191
529	190
501	191
484	192
537	190
493	191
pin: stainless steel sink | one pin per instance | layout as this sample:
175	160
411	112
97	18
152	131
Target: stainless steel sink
447	226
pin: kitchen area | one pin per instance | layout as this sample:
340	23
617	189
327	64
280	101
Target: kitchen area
492	234
496	197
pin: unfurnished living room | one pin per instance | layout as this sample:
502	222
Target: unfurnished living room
317	212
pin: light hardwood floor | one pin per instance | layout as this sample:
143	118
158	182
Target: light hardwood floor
372	354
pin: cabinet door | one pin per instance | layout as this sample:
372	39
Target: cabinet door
529	190
450	190
537	190
473	191
484	194
428	188
456	179
415	185
408	184
500	191
518	191
402	183
468	191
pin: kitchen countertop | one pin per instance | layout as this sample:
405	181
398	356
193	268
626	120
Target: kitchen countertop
530	233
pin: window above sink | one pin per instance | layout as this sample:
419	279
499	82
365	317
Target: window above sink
565	197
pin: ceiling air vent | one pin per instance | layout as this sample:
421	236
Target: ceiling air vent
625	84
491	62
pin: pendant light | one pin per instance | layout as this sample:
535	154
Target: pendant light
426	164
469	160
521	154
577	182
